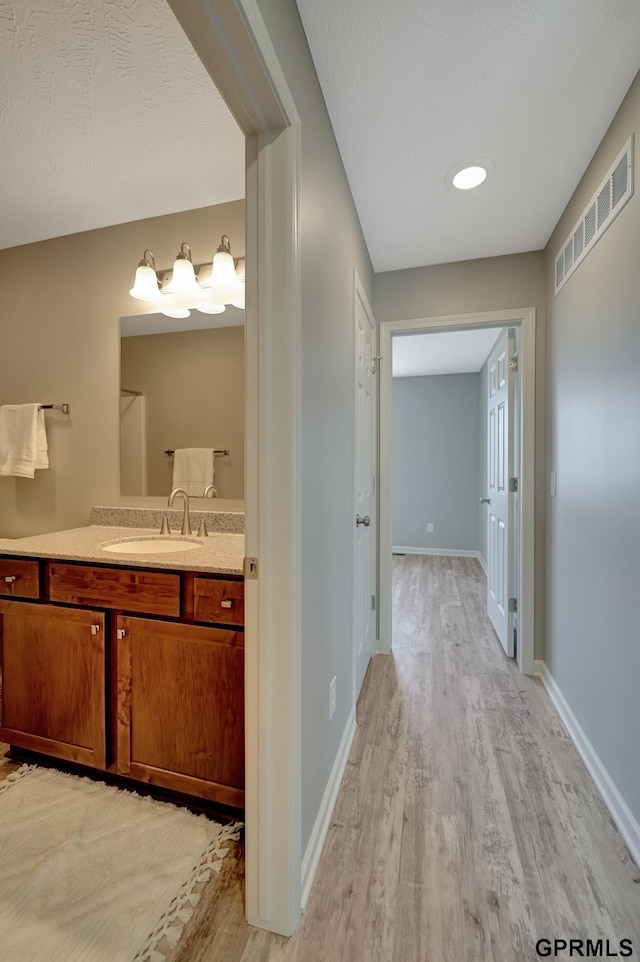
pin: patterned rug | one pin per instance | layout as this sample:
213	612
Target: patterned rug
92	873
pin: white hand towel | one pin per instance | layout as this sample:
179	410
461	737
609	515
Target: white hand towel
193	470
23	440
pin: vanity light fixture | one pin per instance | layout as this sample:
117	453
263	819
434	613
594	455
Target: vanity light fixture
176	293
146	286
183	280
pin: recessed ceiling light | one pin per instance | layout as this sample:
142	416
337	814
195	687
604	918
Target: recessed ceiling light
469	177
470	173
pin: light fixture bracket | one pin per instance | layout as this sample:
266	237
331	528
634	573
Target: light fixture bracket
149	261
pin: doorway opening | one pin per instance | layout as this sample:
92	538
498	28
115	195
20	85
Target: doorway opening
521	503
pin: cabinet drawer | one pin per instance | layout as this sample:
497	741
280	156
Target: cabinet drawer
19	579
127	589
218	601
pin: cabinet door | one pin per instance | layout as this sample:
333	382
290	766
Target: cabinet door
180	707
52	662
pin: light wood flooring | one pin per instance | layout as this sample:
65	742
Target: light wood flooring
466	828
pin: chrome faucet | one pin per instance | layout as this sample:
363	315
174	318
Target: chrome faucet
210	488
186	523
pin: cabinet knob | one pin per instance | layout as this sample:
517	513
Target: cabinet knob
120	633
226	604
9	579
95	629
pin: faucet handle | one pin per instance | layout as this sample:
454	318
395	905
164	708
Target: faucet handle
165	529
202	529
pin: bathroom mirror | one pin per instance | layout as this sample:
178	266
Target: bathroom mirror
182	386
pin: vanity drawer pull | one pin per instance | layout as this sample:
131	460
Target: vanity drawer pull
226	604
10	578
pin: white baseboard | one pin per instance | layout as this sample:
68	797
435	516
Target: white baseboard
618	808
483	563
447	552
321	826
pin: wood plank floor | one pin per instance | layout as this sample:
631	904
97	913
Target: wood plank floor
466	828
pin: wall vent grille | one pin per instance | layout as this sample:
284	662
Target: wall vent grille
601	211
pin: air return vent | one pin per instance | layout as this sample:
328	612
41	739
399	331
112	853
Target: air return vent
601	211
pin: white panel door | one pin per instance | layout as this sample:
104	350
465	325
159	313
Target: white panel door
500	500
364	619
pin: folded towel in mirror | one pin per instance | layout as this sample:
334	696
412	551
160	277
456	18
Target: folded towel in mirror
193	470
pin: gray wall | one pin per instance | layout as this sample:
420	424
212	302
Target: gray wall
486	284
331	247
435	461
593	535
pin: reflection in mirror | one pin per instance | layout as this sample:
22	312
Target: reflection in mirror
181	389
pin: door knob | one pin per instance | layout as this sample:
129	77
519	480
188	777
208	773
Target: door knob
485	500
366	521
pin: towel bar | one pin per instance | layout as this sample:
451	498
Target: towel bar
65	408
224	452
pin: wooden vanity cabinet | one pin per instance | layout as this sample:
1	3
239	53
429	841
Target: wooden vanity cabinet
180	707
111	669
53	681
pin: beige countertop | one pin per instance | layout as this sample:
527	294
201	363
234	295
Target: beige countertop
219	553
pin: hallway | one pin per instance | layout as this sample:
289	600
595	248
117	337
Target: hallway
466	827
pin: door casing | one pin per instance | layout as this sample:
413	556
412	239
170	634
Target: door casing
525	320
234	45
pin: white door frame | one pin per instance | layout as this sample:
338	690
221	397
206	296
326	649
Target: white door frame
232	41
525	320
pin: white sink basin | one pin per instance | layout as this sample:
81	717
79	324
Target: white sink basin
151	545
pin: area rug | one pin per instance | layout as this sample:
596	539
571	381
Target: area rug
92	873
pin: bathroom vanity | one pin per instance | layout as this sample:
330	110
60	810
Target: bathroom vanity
128	663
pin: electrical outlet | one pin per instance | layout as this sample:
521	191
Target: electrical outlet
332	697
429	528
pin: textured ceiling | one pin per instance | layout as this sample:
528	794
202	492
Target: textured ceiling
451	352
417	86
106	116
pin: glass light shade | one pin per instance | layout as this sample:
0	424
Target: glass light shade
239	302
183	280
145	287
469	177
240	270
223	272
176	312
209	308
